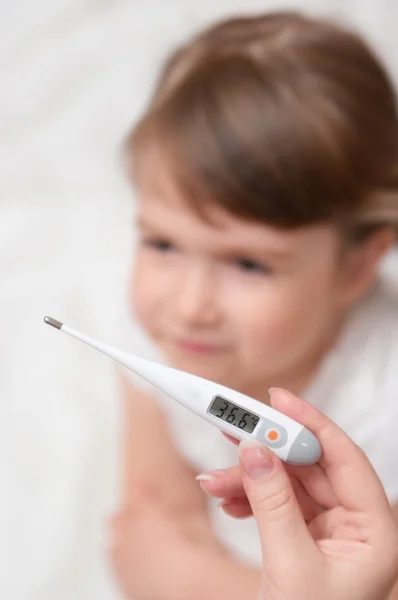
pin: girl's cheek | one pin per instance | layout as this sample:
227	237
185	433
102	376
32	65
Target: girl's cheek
140	310
273	322
140	292
149	291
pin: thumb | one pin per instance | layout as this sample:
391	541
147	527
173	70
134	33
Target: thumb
285	540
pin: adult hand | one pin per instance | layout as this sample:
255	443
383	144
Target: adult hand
327	530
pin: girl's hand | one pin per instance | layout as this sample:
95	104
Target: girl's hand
327	530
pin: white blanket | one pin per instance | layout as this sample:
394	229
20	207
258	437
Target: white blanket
74	73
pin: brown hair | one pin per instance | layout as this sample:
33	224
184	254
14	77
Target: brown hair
281	118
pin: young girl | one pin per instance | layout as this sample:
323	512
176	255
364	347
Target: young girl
266	170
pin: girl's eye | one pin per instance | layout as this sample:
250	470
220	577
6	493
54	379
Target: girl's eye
159	244
251	266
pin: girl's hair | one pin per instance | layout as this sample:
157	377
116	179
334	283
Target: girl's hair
279	118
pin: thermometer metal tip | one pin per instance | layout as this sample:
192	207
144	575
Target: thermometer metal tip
53	322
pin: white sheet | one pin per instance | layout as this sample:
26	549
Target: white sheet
74	74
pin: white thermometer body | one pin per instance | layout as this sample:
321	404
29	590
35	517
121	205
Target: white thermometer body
234	413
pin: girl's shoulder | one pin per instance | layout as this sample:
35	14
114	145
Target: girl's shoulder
371	337
367	348
357	386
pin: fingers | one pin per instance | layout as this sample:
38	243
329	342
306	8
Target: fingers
308	506
283	532
238	508
314	481
227	484
349	472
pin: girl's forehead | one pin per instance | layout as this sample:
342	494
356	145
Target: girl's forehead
174	214
171	216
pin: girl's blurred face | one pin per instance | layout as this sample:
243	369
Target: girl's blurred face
237	302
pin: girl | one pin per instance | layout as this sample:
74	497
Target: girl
266	170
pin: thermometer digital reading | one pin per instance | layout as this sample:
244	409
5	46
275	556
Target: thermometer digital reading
234	413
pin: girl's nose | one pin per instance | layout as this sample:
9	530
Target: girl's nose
196	300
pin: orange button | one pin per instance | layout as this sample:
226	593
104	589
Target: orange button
272	435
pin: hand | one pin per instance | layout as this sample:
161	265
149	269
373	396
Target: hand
348	549
163	544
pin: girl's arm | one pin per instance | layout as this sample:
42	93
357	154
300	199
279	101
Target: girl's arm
164	546
394	592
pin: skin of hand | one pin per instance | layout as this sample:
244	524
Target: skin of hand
163	546
327	531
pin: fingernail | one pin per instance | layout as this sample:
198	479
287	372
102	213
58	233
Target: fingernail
210	476
275	389
205	477
256	459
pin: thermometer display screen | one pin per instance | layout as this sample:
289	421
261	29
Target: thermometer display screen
231	413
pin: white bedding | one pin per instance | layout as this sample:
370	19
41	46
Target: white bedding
74	73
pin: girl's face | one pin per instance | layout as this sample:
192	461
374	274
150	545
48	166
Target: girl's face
244	304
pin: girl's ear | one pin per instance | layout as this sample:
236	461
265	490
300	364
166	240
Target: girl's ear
361	263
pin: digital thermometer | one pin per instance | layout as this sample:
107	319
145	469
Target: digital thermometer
234	413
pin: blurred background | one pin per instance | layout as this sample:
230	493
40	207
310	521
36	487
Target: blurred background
74	75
